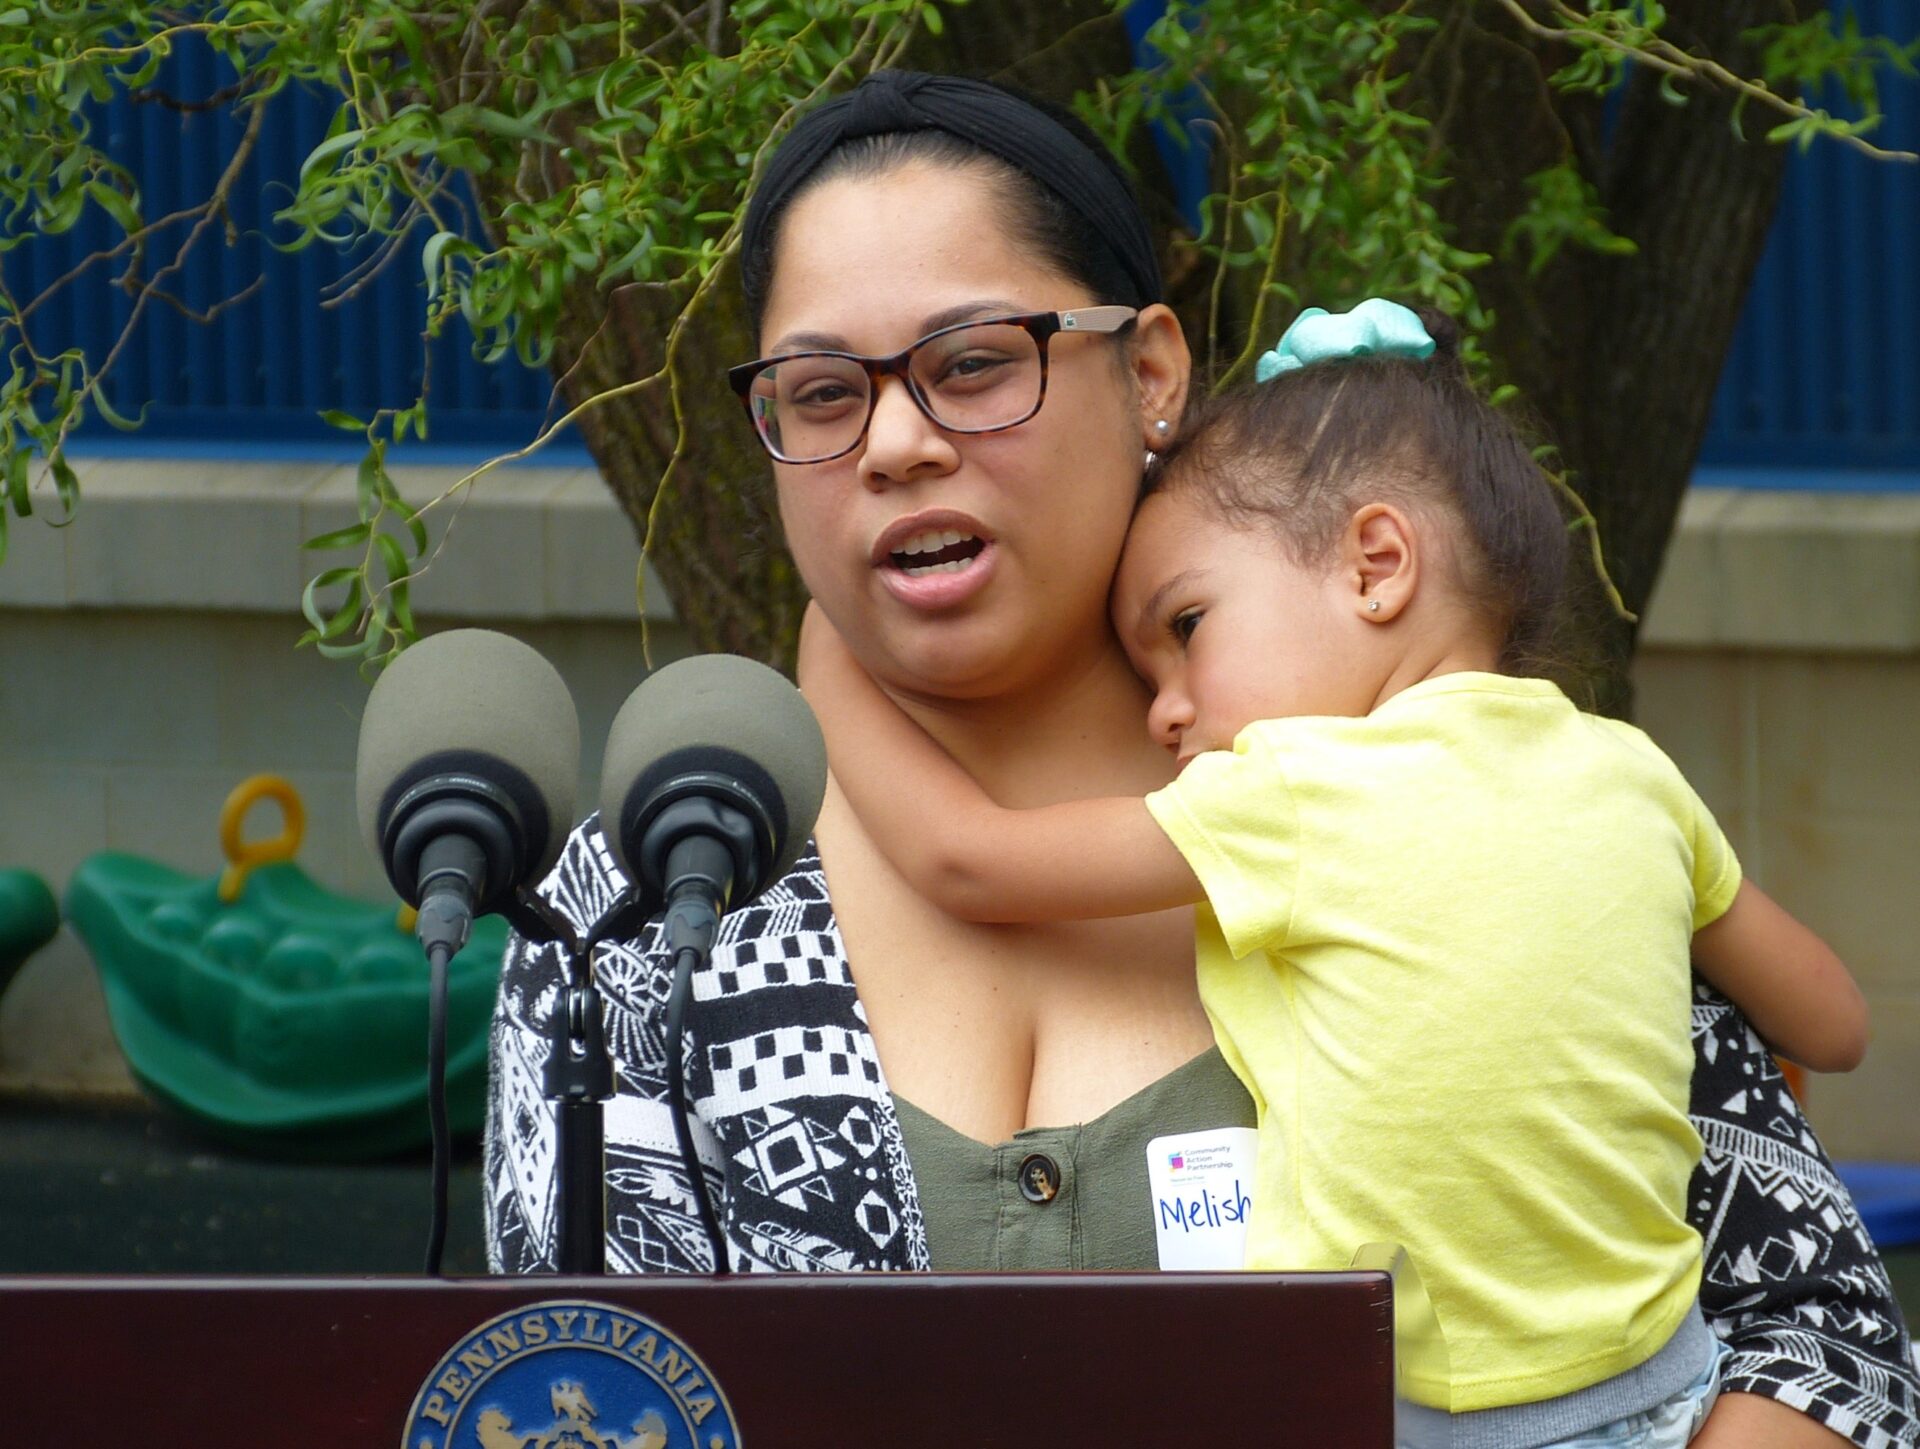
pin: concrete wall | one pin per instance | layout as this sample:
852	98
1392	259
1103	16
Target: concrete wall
1781	666
139	682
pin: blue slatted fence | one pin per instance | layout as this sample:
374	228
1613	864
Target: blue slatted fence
1824	374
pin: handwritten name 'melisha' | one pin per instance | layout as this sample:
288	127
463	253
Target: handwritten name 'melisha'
1206	1210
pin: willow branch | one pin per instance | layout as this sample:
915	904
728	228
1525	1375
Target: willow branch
1663	55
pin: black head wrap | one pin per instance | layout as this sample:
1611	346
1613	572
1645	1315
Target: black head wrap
995	120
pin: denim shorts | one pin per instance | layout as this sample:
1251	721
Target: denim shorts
1665	1426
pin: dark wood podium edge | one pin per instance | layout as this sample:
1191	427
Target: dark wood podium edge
1296	1359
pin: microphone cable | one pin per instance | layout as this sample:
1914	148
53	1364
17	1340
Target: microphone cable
439	955
683	964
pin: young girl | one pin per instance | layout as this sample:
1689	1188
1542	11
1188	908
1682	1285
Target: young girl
1457	911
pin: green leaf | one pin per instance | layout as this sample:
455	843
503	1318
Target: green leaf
416	526
349	610
371	484
310	596
348	537
513	128
65	484
409	32
403	610
98	397
430	255
392	557
359	649
59	212
17	493
119	207
345	422
333	146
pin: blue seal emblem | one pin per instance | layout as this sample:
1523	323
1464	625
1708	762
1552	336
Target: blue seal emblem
570	1375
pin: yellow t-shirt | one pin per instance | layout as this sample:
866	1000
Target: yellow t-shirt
1447	952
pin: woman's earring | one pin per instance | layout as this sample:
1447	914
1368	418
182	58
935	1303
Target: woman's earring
1373	606
1160	427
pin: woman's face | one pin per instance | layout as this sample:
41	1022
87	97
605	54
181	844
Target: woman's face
1039	511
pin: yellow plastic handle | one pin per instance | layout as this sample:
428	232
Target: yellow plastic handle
243	856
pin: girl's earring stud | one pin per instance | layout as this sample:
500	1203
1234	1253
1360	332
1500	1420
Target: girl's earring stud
1161	425
1373	606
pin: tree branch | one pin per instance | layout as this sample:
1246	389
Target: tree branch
1662	55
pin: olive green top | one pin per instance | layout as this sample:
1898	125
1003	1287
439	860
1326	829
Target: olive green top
979	1199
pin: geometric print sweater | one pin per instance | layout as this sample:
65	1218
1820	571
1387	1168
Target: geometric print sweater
803	1153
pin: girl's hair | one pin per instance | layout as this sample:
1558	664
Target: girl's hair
1035	216
1300	453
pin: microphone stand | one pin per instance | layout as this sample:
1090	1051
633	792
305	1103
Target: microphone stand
578	1080
697	845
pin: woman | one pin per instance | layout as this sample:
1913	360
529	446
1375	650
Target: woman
879	1086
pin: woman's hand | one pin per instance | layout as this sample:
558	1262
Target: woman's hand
1748	1421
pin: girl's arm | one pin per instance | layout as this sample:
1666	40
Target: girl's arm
1788	981
969	856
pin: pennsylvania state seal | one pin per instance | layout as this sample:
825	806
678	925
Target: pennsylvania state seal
570	1376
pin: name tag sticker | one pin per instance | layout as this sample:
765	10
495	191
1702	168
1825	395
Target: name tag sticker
1202	1189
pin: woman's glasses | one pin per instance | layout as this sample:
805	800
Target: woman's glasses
977	377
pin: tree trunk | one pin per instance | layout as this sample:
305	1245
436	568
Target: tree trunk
1619	356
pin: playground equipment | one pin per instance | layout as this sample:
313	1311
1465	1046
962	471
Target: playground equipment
29	916
280	1016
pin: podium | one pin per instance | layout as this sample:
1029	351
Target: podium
922	1361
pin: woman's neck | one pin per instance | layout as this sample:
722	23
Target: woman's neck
1076	731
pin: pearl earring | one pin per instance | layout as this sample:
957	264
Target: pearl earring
1161	425
1373	606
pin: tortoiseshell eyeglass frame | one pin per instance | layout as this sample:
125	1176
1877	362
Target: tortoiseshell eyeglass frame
1041	326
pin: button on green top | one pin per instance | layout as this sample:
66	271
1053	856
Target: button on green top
977	1197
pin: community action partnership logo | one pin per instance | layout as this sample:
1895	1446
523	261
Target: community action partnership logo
570	1375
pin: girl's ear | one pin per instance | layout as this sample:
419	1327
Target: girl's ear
1380	556
1161	369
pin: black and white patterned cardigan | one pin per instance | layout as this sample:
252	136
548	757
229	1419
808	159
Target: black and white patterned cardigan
799	1138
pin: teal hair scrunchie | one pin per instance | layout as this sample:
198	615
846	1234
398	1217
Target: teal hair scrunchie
1375	328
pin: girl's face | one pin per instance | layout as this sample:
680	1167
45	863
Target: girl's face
1228	629
1034	517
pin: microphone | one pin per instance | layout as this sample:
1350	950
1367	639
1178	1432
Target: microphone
468	760
464	781
715	769
714	772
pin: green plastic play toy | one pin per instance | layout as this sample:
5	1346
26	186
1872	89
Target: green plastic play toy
29	916
284	1017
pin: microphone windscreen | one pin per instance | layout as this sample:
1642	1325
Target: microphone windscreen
727	715
477	702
